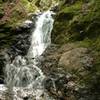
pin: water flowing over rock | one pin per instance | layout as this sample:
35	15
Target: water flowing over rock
24	79
43	39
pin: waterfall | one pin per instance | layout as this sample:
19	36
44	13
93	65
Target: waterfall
23	76
41	37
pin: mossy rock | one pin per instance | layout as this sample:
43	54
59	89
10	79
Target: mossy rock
77	21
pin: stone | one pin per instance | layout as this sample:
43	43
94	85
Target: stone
77	58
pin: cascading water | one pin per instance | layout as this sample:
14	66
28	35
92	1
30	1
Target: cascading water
24	77
41	37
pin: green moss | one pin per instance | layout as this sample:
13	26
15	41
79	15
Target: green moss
29	6
87	43
2	35
79	21
19	12
75	8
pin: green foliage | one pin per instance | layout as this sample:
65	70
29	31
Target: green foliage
17	13
75	8
84	22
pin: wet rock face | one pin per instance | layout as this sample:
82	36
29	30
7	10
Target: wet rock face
21	43
49	59
2	64
43	4
55	8
46	4
77	58
20	46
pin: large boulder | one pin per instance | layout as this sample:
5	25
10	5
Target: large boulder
77	58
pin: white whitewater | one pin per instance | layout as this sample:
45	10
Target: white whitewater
24	78
41	37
